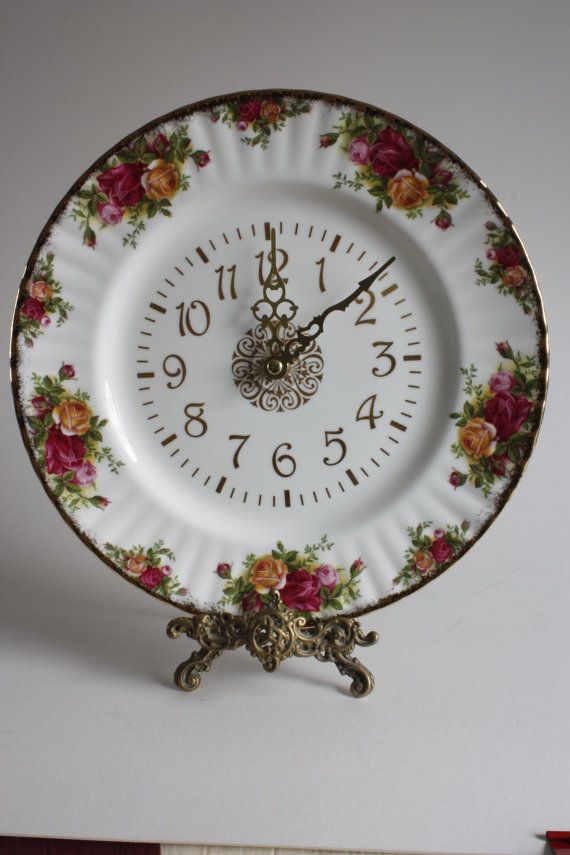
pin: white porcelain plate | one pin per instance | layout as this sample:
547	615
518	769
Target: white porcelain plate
138	365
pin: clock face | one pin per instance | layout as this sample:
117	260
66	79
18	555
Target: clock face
153	412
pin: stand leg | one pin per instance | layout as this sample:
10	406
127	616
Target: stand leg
187	675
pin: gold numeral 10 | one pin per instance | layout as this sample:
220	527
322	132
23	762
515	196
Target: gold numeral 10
186	321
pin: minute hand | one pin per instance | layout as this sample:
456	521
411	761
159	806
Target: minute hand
307	334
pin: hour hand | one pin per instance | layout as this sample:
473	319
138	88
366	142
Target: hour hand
308	333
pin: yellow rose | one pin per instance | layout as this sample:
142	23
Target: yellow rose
270	111
268	573
73	416
424	561
136	565
408	189
478	438
514	276
161	180
40	291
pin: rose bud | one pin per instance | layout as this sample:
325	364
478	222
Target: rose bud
491	254
490	226
465	525
242	125
89	238
45	321
357	567
201	158
457	479
504	349
327	140
438	533
224	571
443	221
100	502
67	370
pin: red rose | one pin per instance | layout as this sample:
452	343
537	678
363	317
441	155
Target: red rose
33	309
508	256
302	591
252	602
122	184
441	550
507	412
63	453
250	110
151	577
390	153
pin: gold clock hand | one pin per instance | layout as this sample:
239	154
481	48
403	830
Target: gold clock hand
291	349
274	310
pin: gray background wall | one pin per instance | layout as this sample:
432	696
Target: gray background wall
464	745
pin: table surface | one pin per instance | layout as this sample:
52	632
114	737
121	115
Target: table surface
463	745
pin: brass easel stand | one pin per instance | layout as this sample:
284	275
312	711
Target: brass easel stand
271	635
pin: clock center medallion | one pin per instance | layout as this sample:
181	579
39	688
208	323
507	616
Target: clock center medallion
294	388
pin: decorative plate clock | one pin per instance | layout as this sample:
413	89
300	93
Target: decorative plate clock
279	358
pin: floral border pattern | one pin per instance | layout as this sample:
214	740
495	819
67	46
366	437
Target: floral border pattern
396	165
430	552
261	117
145	567
506	268
136	184
303	582
67	437
498	419
44	301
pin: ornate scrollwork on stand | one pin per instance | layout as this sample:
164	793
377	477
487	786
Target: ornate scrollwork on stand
271	635
276	394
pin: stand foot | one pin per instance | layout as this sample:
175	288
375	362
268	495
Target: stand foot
271	635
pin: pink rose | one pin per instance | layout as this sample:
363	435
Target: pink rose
122	184
441	550
327	576
45	321
41	406
508	256
167	569
242	125
224	571
443	221
507	412
502	381
33	309
302	591
358	150
252	602
491	254
84	474
249	111
439	533
158	146
442	176
390	153
63	453
110	213
151	577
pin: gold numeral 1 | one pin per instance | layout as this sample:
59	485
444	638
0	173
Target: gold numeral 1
321	265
